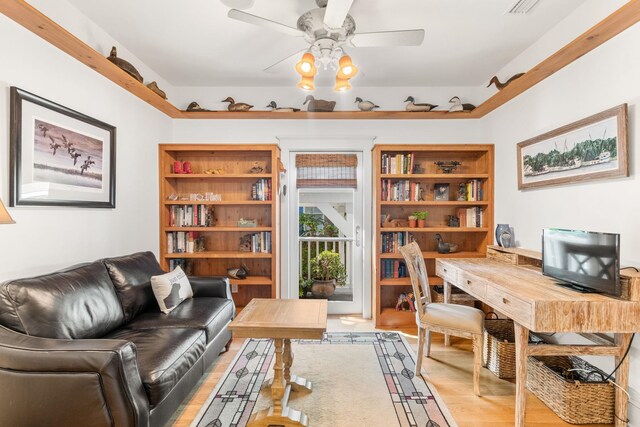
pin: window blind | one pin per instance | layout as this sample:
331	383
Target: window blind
326	170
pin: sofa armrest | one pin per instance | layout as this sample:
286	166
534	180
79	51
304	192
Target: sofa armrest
62	382
211	286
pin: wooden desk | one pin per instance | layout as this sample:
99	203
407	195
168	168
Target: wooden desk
282	320
536	303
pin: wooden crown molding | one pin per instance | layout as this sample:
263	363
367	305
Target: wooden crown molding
38	23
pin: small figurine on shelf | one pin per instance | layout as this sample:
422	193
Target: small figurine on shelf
459	106
365	105
236	106
454	221
444	247
199	244
238	272
245	243
447	166
218	171
402	304
186	168
411	299
177	167
256	168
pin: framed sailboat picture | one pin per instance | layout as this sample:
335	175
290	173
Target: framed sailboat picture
591	148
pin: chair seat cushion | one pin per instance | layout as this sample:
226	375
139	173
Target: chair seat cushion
454	316
204	313
164	356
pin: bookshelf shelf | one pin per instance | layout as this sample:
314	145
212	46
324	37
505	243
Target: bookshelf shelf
218	232
416	192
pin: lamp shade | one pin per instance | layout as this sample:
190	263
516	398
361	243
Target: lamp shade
342	85
306	83
5	218
306	66
346	69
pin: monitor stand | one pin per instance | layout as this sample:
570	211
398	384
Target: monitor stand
578	288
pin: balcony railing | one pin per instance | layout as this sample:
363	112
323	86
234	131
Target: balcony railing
312	246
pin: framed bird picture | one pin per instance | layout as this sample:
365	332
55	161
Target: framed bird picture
58	156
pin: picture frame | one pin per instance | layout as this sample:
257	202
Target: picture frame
441	192
58	156
592	148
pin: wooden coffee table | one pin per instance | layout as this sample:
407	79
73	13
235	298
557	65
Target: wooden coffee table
282	321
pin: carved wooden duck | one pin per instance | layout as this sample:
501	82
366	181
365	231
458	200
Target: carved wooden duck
459	106
412	106
194	106
274	108
237	106
154	87
365	105
445	248
124	65
319	104
500	86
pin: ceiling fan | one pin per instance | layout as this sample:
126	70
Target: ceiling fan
328	28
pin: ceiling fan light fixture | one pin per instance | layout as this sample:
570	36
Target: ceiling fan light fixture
342	85
306	83
306	66
346	68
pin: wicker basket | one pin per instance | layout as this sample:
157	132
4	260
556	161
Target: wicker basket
499	350
583	399
457	296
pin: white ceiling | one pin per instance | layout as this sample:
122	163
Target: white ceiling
193	43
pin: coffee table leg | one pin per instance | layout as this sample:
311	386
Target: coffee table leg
297	383
280	414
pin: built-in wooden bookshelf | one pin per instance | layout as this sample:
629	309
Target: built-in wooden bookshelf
204	207
413	168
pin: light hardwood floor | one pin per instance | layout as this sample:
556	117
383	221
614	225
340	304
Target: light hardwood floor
449	370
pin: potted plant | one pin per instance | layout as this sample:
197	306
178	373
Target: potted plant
327	272
413	221
422	218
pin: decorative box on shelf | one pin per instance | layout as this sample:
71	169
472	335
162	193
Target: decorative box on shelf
243	222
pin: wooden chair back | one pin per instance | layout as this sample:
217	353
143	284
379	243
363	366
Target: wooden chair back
418	274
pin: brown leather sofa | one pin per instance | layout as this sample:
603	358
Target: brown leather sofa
88	346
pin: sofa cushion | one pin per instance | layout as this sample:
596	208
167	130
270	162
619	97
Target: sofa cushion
76	303
207	314
164	356
171	289
131	276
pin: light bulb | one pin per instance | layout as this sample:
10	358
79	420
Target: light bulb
306	66
342	85
346	69
306	83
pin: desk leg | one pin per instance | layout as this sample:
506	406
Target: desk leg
522	342
447	300
622	379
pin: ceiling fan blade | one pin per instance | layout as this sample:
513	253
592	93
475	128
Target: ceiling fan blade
263	22
274	68
388	38
335	13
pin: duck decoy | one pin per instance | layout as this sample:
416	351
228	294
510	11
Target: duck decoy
256	168
319	105
459	106
365	105
239	272
412	106
194	106
274	108
500	86
445	248
124	65
237	106
154	87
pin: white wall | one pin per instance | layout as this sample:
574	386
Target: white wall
46	238
606	77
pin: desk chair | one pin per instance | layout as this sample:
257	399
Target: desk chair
453	319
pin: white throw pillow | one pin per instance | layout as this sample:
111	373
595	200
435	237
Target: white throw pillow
171	289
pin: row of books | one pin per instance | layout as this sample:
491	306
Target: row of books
401	191
471	217
261	190
391	242
191	216
474	192
397	163
182	242
256	242
392	268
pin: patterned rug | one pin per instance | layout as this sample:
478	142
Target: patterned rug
359	379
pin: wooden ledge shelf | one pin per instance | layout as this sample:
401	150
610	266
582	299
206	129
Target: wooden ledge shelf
38	23
252	281
334	115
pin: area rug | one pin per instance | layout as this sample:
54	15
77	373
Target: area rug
359	379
